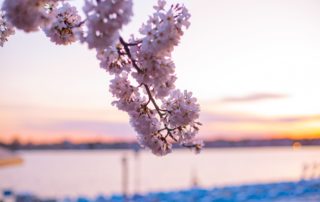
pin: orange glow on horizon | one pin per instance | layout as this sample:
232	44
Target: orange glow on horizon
50	139
78	139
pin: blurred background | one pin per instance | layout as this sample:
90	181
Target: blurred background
253	65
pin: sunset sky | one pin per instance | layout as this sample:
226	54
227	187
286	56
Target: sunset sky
253	64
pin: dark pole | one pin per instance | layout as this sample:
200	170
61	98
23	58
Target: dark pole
125	174
137	171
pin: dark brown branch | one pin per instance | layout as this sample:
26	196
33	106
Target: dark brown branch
170	134
134	44
126	48
153	101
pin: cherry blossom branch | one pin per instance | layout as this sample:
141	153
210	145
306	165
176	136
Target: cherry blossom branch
147	60
151	98
128	52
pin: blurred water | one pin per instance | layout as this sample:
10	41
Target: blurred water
89	173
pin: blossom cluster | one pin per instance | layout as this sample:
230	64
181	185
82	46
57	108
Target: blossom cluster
104	20
65	26
143	70
60	21
28	15
6	29
144	82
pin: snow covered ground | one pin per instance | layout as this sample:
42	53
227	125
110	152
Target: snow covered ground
302	191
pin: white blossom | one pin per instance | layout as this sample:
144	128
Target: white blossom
158	73
183	108
112	62
157	145
104	20
28	15
121	88
147	126
144	123
65	26
160	5
6	29
163	29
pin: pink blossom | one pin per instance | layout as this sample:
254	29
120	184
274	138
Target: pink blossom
28	15
163	29
112	62
65	26
6	29
120	87
104	20
158	73
157	145
183	108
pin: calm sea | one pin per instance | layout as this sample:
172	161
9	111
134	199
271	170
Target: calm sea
89	173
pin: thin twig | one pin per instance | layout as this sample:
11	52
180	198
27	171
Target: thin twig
126	48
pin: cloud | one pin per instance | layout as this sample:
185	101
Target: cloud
227	117
254	97
233	117
89	127
242	125
301	118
